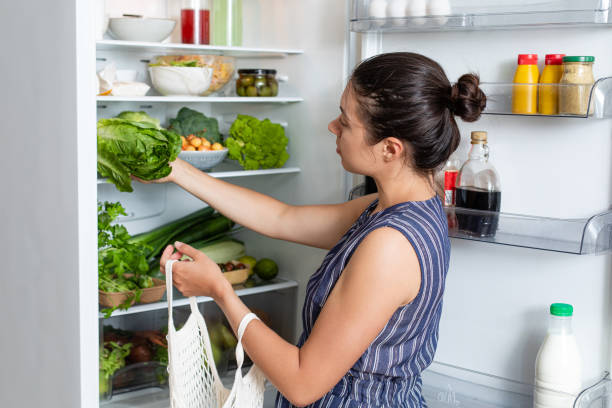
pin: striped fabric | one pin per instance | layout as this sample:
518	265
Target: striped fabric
388	373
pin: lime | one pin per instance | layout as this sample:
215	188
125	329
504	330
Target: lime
266	269
250	283
248	261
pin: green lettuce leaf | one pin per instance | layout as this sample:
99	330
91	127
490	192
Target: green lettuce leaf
133	148
140	116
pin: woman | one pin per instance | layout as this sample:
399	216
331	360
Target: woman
372	309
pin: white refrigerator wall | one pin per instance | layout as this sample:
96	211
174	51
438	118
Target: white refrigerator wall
48	289
496	301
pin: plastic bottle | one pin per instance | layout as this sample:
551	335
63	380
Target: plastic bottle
525	97
227	22
448	179
558	367
548	95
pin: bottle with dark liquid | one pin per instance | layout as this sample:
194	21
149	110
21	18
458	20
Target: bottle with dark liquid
478	188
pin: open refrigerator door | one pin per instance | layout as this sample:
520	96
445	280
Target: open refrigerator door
473	369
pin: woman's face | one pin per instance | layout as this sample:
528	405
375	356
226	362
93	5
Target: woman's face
351	138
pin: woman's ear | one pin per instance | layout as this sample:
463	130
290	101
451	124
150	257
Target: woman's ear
392	149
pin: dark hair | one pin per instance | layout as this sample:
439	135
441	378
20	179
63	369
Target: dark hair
408	96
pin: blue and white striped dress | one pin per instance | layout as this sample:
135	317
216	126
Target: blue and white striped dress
388	373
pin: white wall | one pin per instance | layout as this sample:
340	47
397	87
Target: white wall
46	156
496	299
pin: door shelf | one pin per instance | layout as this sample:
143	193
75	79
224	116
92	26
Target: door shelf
573	236
487	16
499	97
200	99
249	52
446	386
180	300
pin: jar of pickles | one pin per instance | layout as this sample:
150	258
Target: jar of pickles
256	82
576	83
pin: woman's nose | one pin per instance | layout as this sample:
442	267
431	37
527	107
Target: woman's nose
333	126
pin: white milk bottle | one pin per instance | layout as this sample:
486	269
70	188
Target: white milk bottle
558	374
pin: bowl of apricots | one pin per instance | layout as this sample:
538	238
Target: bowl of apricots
201	153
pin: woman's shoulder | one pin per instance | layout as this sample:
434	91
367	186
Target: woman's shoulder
423	223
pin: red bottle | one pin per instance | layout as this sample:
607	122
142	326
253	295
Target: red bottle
188	26
205	22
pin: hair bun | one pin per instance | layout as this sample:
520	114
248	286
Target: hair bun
467	99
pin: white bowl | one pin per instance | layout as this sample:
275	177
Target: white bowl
181	81
203	160
141	29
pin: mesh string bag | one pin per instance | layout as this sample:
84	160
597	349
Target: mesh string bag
193	377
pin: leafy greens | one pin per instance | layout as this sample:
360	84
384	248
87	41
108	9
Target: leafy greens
126	147
257	144
117	256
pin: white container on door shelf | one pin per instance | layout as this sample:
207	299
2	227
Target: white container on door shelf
558	367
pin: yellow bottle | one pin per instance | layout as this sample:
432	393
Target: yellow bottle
548	95
525	97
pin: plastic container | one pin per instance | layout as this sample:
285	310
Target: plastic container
525	97
558	367
577	81
478	188
222	68
256	82
548	95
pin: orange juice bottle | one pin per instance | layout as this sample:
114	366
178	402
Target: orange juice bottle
548	95
525	97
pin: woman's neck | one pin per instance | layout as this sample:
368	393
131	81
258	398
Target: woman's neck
401	187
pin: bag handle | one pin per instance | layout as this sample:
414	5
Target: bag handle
169	264
241	329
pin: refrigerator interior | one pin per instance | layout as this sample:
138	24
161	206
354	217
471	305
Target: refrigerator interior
307	100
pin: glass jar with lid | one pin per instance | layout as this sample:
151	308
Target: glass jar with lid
575	85
478	190
256	82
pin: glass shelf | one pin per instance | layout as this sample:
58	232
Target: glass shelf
499	98
116	45
207	99
180	300
231	172
573	236
469	15
447	386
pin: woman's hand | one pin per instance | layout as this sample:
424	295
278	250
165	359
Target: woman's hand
198	277
175	165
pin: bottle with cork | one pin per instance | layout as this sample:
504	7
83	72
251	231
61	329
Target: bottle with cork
478	191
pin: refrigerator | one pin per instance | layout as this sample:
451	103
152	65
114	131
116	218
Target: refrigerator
553	242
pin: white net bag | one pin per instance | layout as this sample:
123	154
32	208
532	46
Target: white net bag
194	380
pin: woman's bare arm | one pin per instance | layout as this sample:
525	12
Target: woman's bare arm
320	226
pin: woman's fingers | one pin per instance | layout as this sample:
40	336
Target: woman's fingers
168	255
188	250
